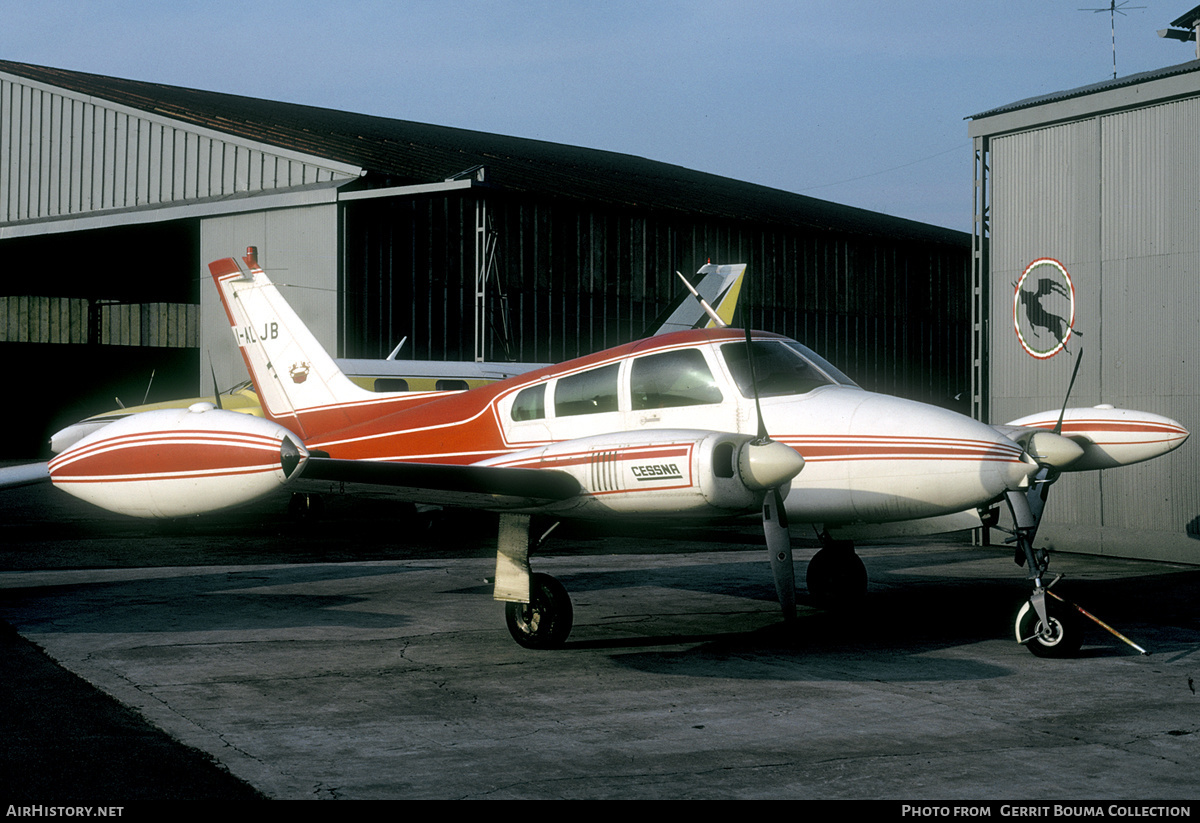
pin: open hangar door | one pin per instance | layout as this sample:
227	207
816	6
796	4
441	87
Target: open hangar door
88	317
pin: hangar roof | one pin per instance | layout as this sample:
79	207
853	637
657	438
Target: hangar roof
1188	19
401	152
1081	91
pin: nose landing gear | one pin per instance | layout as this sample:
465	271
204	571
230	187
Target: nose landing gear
1059	635
1047	625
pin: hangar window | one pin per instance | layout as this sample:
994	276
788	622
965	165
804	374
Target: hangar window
589	392
530	403
670	379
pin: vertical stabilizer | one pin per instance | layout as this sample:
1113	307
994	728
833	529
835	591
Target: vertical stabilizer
294	376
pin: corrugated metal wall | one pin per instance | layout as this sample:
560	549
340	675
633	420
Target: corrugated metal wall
67	155
298	247
1116	199
893	313
34	319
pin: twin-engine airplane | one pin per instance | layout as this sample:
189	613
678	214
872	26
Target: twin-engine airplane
671	427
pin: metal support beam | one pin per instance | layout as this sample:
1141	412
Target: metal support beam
481	273
980	280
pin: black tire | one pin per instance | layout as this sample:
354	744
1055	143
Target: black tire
836	579
545	622
1065	634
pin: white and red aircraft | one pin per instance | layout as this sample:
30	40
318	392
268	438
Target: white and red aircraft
672	427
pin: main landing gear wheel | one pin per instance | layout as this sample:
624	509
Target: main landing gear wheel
836	579
545	621
1062	638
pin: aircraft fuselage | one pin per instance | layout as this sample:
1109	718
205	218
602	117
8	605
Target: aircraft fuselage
639	410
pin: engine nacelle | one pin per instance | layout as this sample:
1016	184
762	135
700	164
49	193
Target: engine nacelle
178	462
1111	437
665	472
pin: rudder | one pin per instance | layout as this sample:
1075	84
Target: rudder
296	379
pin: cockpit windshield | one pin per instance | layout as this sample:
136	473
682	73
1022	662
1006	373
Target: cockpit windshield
782	367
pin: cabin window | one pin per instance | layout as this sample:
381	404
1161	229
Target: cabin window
391	384
670	379
589	392
779	369
530	403
449	384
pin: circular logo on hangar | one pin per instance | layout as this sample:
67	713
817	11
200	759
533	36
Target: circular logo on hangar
1044	308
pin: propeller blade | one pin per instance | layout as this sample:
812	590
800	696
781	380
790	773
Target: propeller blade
766	464
763	437
1074	373
716	318
779	548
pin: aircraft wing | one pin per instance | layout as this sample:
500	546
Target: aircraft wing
483	487
24	475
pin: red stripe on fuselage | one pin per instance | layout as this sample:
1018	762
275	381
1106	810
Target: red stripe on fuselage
824	448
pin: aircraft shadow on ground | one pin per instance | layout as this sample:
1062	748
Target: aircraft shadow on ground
912	611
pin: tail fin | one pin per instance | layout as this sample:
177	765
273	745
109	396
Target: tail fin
296	379
720	288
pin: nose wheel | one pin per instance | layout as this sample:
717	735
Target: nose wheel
1060	635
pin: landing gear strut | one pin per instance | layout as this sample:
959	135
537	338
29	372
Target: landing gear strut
1048	628
537	608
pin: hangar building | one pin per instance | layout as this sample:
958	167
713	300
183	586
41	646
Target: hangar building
115	194
1105	180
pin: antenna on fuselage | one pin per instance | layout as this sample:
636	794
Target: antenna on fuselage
216	391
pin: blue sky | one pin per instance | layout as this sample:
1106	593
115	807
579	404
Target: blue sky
857	102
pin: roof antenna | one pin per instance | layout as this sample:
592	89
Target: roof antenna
1114	8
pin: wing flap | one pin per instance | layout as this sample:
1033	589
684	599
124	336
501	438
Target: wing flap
486	487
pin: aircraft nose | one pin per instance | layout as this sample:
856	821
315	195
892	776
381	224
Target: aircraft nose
976	461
